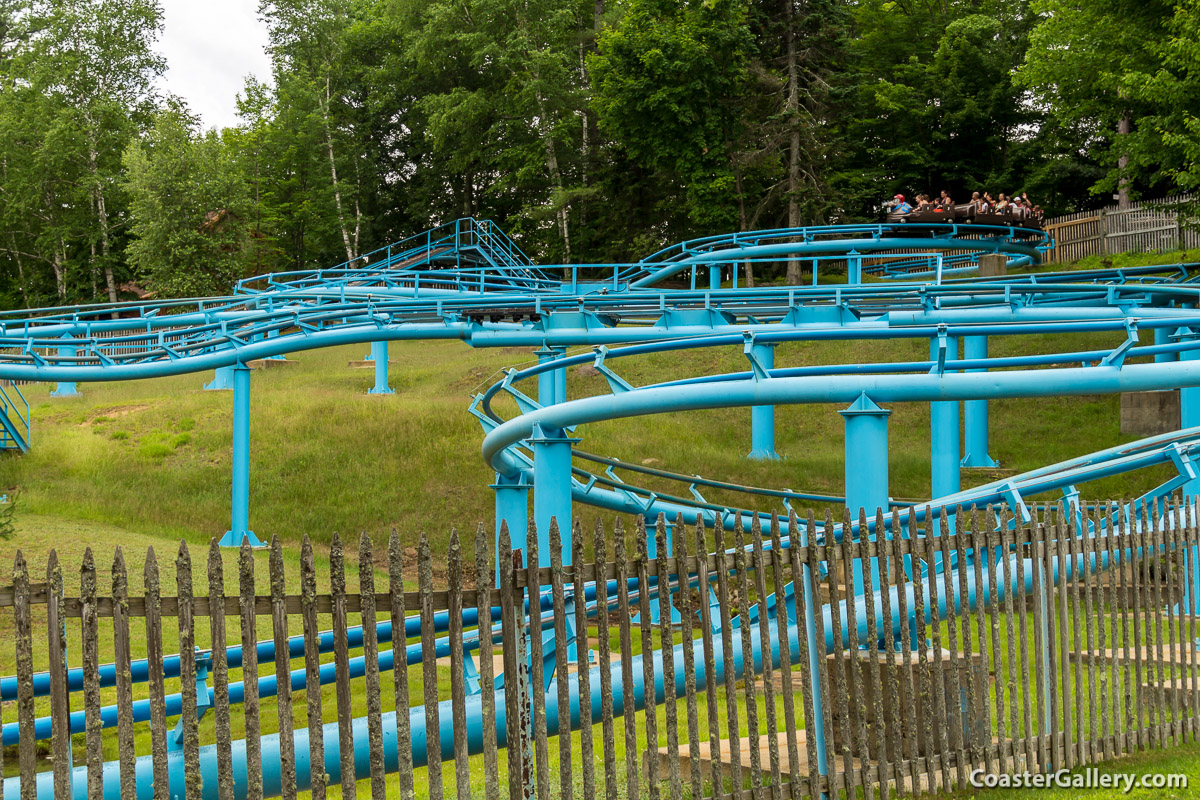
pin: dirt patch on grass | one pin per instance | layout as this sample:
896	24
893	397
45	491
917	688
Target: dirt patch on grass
114	412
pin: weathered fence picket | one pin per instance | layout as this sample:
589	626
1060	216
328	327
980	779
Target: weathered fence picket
124	683
583	666
249	619
157	685
366	588
666	638
563	722
687	613
312	671
60	699
283	677
429	680
650	710
733	727
627	705
708	650
485	577
90	637
608	735
188	732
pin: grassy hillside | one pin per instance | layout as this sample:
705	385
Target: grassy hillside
153	457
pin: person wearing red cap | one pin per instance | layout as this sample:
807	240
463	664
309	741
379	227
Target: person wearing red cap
900	205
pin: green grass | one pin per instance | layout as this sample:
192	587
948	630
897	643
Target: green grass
1124	260
153	457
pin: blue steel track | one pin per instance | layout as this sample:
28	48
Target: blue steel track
468	281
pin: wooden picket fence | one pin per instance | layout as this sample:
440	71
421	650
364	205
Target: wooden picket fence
1094	665
1146	227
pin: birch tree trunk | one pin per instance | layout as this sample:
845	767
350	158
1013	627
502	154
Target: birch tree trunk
101	213
562	213
337	191
20	270
792	109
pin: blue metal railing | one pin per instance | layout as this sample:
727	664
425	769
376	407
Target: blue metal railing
14	434
463	241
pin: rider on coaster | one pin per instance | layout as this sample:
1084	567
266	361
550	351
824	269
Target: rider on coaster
899	205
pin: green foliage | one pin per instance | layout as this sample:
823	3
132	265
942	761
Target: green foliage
668	86
1126	72
189	209
1169	134
79	78
591	130
931	105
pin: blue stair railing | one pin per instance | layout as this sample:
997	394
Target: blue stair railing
15	428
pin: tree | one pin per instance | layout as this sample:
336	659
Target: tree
307	45
931	104
1080	62
80	87
489	113
1164	149
190	209
668	79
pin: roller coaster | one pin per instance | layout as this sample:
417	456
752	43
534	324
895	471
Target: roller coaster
468	281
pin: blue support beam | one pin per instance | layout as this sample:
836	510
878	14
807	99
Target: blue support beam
854	268
1163	336
975	412
239	527
944	442
560	377
222	380
866	469
512	508
1189	406
66	388
762	418
552	384
379	354
552	488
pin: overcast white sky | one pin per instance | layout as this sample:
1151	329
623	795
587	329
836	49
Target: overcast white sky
210	47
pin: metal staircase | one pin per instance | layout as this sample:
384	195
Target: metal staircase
14	421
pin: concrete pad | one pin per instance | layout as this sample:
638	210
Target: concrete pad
1149	655
269	363
367	364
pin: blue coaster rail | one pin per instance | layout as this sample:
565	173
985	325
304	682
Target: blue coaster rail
467	280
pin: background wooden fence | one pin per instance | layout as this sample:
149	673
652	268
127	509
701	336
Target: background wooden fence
1147	227
1097	665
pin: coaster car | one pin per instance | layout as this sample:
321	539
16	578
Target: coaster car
965	214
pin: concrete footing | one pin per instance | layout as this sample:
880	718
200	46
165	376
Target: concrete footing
1149	413
952	712
978	476
1176	693
366	364
270	363
993	266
